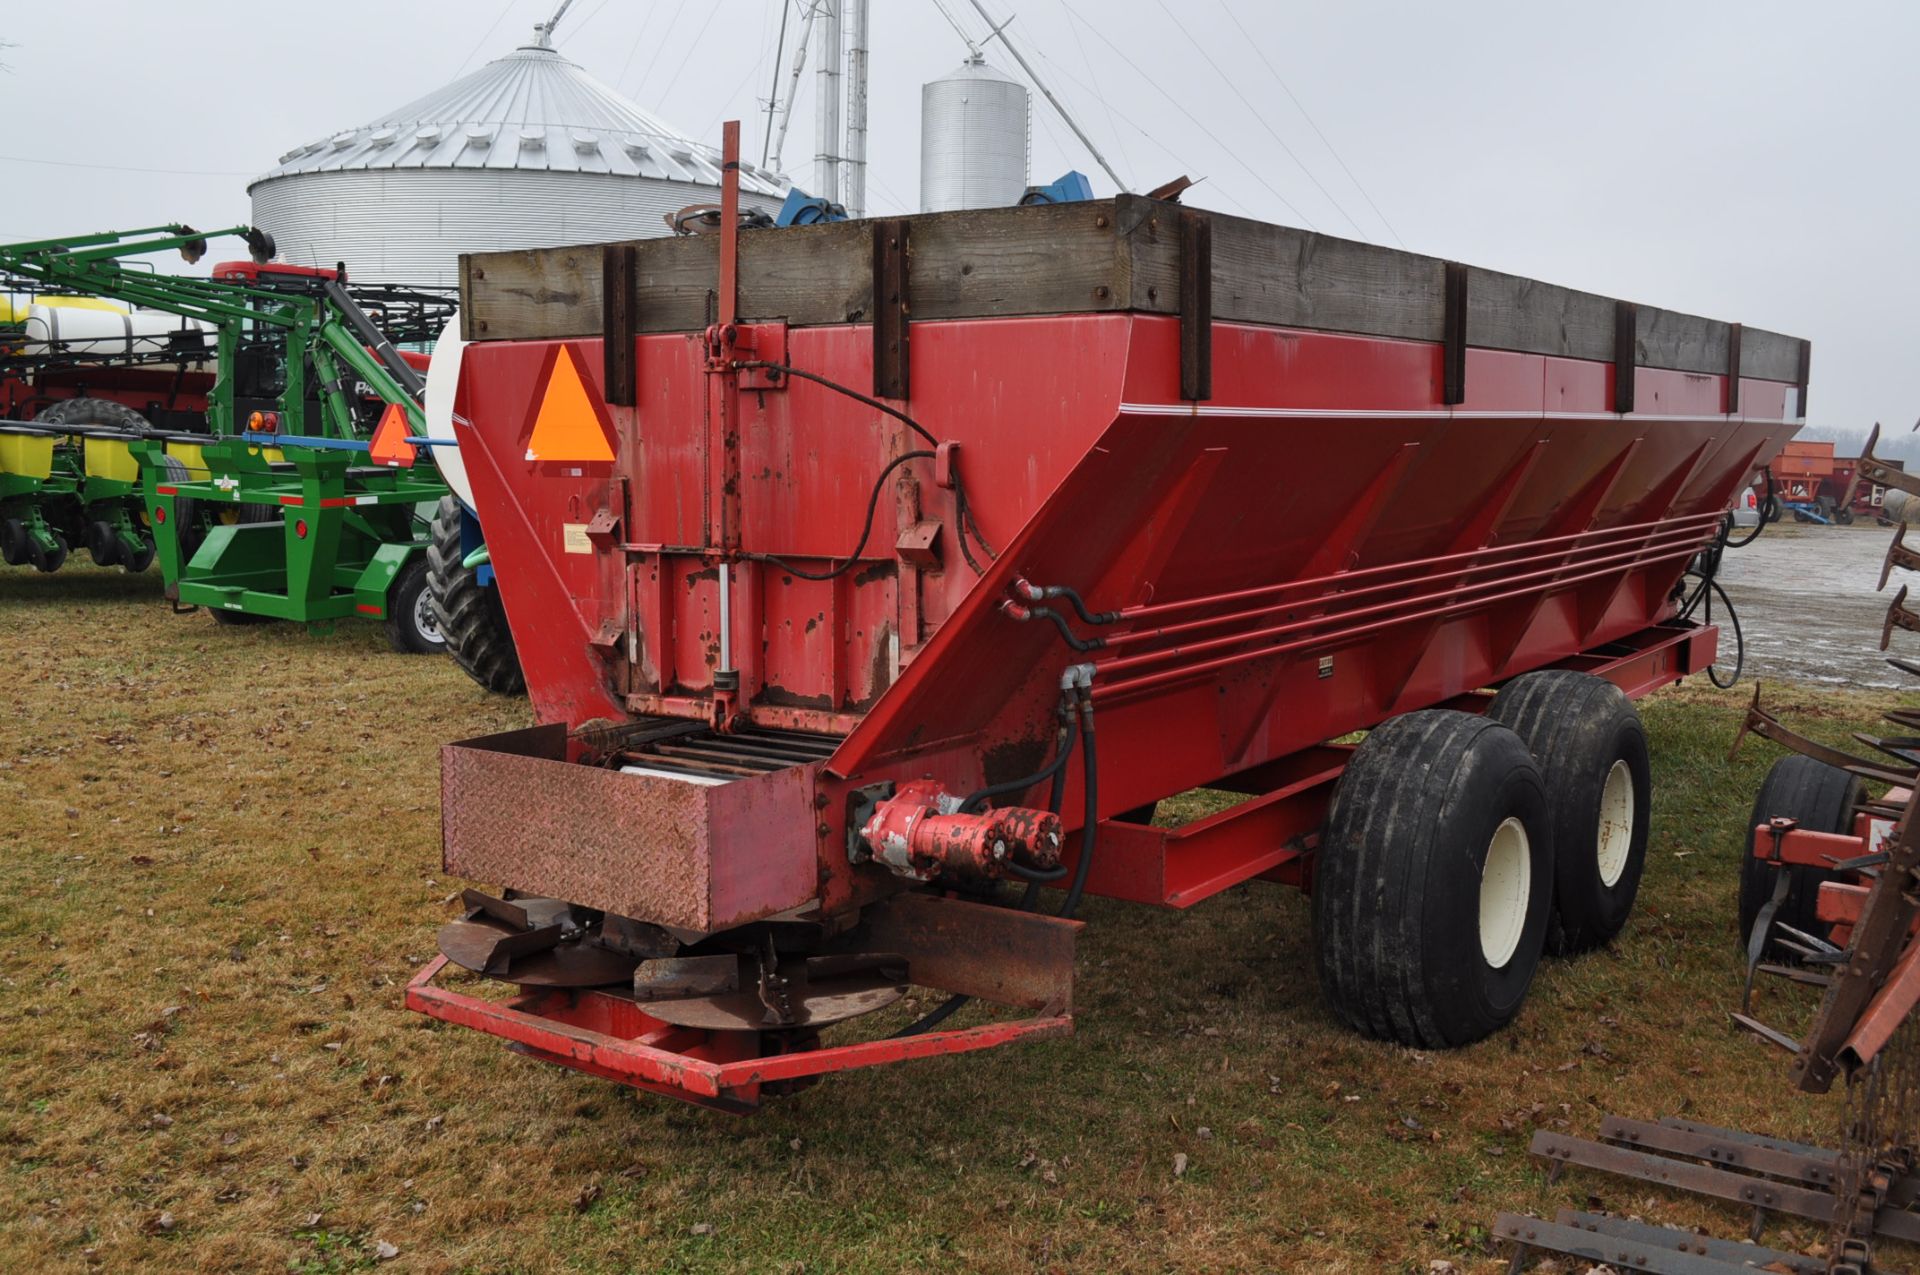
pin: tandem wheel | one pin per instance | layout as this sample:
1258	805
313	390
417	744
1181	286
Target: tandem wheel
1433	881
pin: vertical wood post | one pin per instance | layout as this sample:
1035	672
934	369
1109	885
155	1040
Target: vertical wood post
1453	337
892	309
1196	305
619	322
1626	336
1733	368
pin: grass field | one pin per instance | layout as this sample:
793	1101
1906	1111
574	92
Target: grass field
219	865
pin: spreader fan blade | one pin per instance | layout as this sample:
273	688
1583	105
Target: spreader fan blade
531	941
744	991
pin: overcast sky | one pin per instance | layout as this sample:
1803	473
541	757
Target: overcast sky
1747	161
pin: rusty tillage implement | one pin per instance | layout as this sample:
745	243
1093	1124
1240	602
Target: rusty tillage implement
873	580
1830	896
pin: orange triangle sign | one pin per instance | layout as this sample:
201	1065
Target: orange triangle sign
568	427
390	445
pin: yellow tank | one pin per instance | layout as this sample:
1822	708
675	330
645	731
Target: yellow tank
188	454
26	455
109	458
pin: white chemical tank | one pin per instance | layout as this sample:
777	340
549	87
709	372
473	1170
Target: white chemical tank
68	330
975	135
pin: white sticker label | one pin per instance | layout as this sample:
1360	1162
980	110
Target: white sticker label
574	537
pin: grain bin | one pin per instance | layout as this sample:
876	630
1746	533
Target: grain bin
975	134
528	151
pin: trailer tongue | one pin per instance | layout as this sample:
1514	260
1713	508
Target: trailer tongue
863	571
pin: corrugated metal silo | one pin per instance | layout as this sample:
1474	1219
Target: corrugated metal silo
974	139
528	151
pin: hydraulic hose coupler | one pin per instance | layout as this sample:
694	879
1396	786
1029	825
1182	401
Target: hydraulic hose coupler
918	834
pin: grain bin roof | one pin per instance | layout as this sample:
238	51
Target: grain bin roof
530	110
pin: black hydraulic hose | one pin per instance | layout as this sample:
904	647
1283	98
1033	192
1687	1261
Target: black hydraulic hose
1090	826
1054	770
873	504
1089	772
1769	513
1739	639
1038	593
876	404
963	511
1035	876
1073	640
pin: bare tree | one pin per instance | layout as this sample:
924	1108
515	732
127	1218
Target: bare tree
4	46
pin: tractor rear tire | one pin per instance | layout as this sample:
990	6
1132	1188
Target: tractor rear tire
1587	740
93	411
1820	798
1433	880
473	620
412	626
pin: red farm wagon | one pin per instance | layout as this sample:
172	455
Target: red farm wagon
873	580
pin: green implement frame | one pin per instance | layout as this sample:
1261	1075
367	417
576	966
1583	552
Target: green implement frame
279	515
350	539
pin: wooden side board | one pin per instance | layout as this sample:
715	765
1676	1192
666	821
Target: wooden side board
1117	254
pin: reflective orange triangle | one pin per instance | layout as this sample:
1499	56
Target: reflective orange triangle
568	426
390	445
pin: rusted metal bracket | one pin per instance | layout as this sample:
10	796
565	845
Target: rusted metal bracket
1626	337
1619	1243
1905	748
1870	468
1733	368
1852	1004
1898	555
1797	1182
1196	305
1805	372
619	323
1453	337
1760	722
1898	617
892	308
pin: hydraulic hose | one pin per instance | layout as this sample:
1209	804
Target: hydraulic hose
1090	826
1088	840
1054	770
1023	613
1706	567
1769	513
866	530
962	509
1041	593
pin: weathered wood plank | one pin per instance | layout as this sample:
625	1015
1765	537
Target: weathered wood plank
1287	277
1681	342
1001	262
1768	356
548	292
1095	256
1508	312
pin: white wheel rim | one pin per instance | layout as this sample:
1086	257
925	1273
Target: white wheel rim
425	622
1615	836
1506	883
